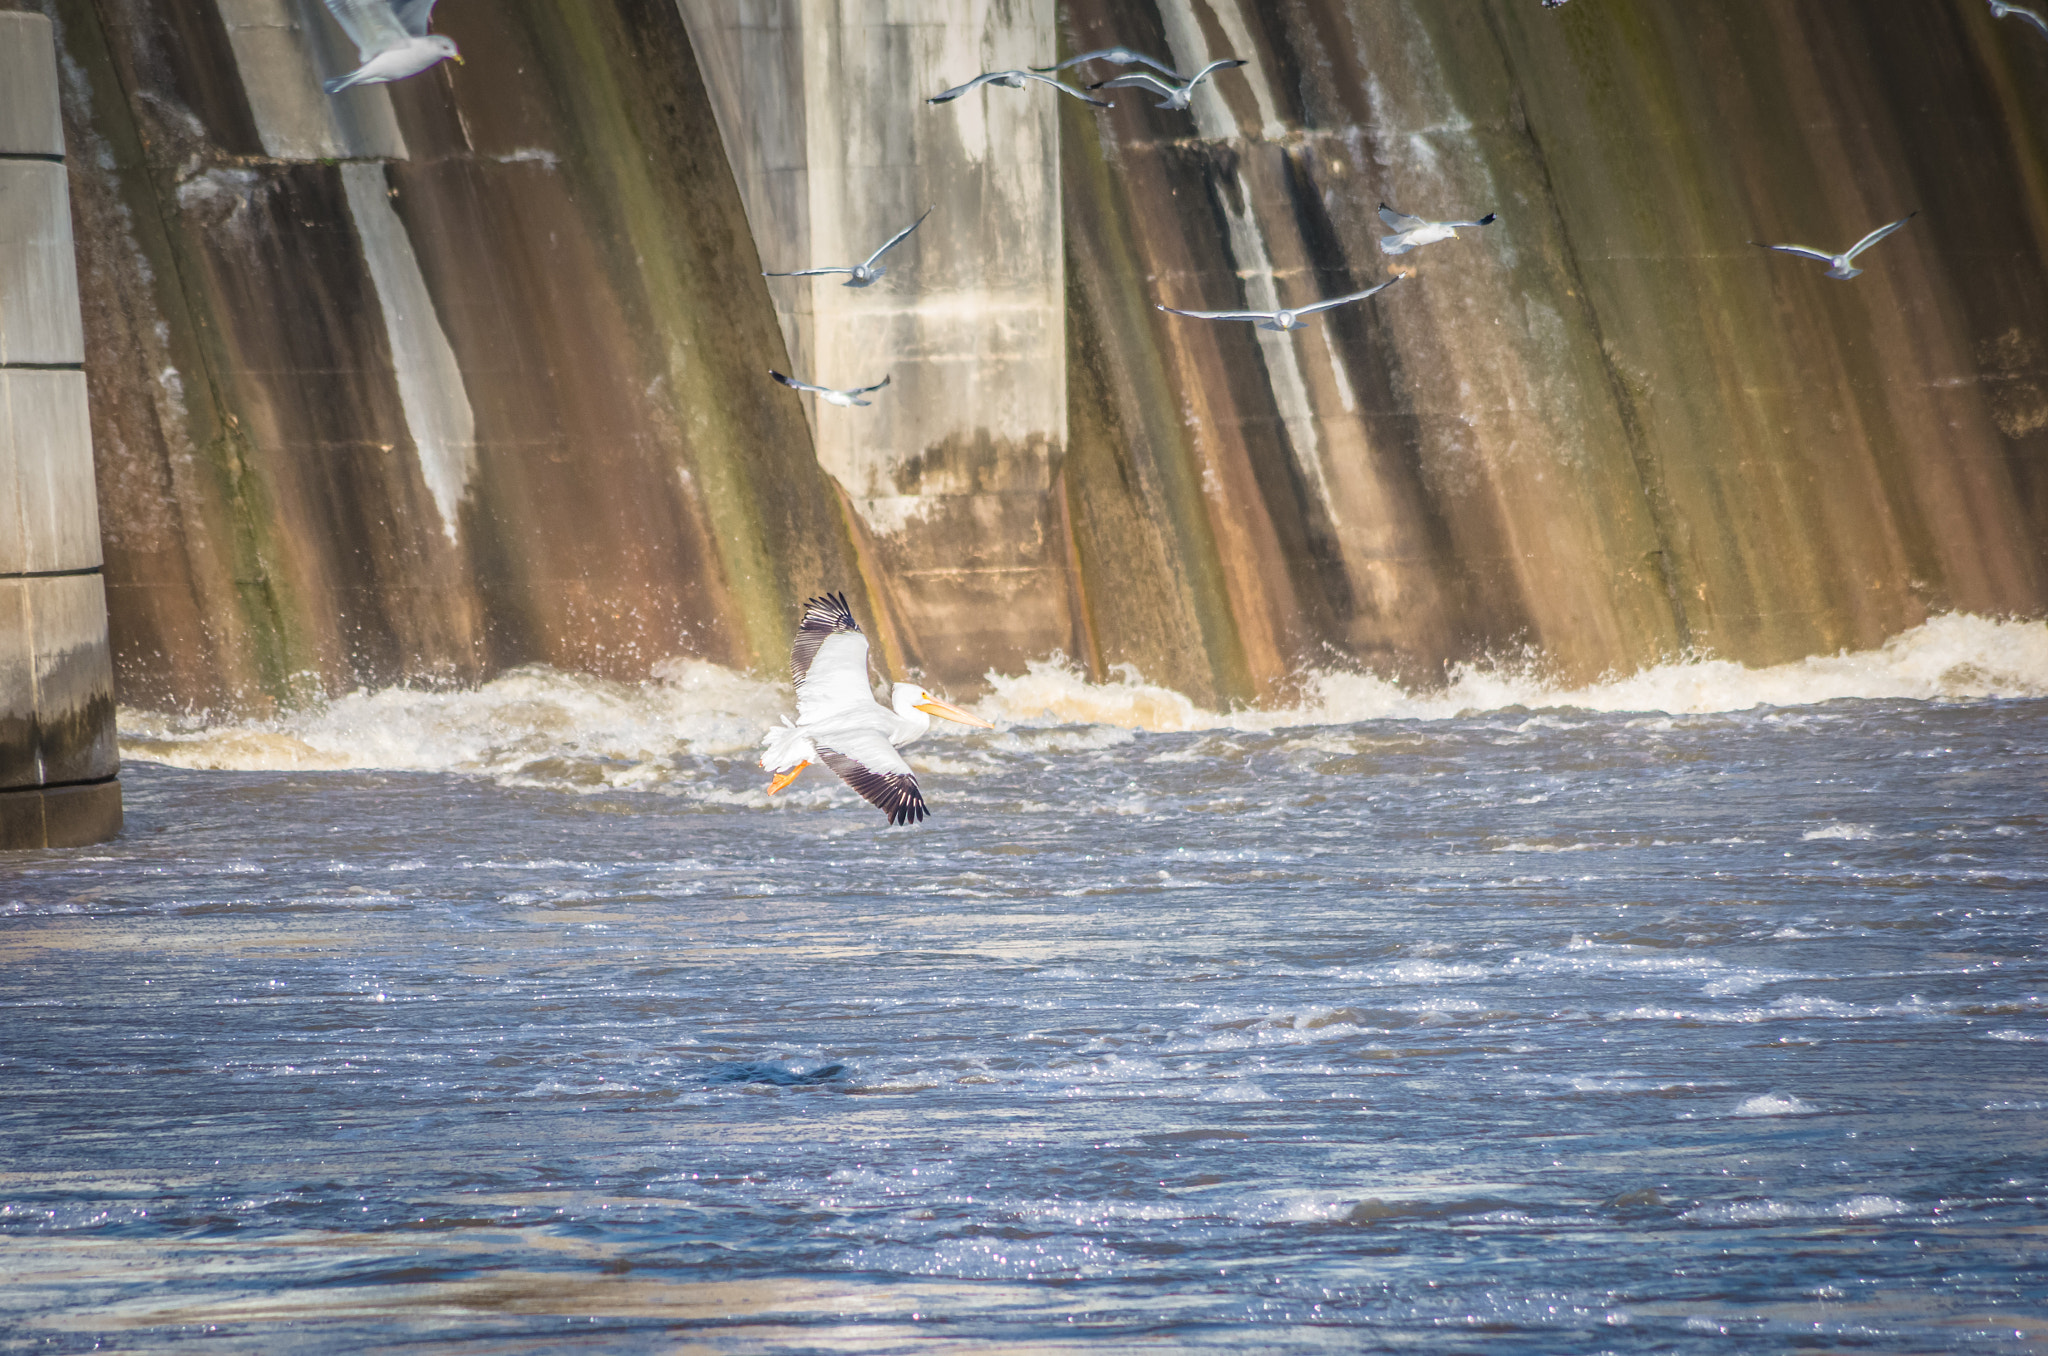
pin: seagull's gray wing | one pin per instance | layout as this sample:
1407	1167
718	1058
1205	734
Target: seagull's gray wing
959	90
1139	58
1486	220
1222	315
863	390
414	15
1880	233
807	273
793	384
1066	89
1206	71
371	25
1355	296
1122	56
1999	11
1799	250
897	238
1400	221
1137	80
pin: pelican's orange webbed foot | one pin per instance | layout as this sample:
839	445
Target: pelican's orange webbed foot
784	779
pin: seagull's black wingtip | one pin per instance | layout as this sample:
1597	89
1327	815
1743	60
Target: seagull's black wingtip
1489	219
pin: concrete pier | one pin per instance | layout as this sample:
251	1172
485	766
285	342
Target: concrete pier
58	761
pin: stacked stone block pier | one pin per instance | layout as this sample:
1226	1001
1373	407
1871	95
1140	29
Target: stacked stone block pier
58	761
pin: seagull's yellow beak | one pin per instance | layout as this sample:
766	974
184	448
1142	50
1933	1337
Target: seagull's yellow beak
457	58
932	706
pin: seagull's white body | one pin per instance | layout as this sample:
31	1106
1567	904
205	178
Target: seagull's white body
1286	320
1842	266
866	272
1115	56
1176	96
391	40
828	394
839	722
1415	232
1013	80
2001	10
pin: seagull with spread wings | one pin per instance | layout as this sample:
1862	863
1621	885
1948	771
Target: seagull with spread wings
1175	96
863	273
1115	56
1286	320
831	395
1842	266
840	724
391	40
1013	80
1415	232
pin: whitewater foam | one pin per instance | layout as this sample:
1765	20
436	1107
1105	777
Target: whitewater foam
538	726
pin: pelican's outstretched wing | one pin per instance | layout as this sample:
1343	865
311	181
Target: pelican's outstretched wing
1222	315
1880	233
793	384
371	25
959	90
828	661
414	15
1399	221
1065	88
896	239
807	272
1799	250
1354	296
869	764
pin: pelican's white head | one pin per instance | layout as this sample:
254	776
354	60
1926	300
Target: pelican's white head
908	697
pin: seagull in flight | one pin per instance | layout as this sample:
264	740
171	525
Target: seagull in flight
391	40
1413	232
1013	80
2001	10
1286	320
864	274
827	394
1842	265
1116	56
1176	96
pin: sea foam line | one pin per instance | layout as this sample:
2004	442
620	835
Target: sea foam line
625	734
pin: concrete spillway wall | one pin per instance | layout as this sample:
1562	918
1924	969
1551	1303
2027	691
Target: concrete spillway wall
58	762
431	380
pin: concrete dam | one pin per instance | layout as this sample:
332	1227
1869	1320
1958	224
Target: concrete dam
421	382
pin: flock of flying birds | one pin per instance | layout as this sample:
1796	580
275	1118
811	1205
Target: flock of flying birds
838	720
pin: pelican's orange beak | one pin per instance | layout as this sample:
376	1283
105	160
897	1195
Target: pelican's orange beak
932	706
784	779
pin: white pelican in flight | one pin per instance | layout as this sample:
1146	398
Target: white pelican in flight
1843	265
840	724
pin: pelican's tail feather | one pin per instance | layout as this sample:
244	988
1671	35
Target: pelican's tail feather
784	747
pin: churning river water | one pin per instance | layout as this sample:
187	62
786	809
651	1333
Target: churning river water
1647	1018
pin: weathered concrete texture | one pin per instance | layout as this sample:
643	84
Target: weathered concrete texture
29	122
49	517
822	107
56	676
60	816
38	283
56	682
422	420
1607	428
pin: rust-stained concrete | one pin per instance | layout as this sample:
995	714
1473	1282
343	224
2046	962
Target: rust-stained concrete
1604	432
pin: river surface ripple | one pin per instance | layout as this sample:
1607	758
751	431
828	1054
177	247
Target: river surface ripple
1516	1033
